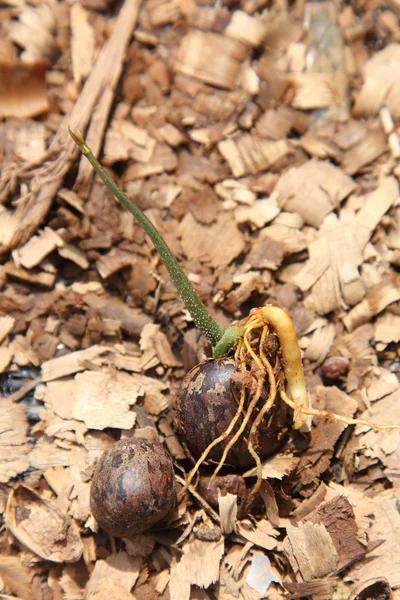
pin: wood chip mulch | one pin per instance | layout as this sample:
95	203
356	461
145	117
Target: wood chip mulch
262	139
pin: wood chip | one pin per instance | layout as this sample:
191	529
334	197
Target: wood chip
375	302
381	86
56	368
6	325
119	572
312	549
23	89
190	570
38	247
252	154
82	43
371	147
40	525
313	190
212	58
14	445
224	230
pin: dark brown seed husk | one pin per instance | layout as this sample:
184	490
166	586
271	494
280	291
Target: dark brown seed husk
206	406
133	487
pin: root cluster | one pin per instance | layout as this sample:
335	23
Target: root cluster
260	367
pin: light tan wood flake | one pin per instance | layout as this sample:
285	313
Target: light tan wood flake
387	328
14	445
114	261
332	270
250	154
261	534
16	577
6	355
72	253
71	363
23	89
205	248
227	512
211	57
100	399
364	153
313	190
199	565
375	302
385	526
246	28
38	247
40	525
381	84
259	214
82	43
155	341
7	323
120	569
313	550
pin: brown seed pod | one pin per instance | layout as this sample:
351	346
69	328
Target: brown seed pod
206	407
133	487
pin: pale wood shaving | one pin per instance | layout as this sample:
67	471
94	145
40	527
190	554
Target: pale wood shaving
313	190
252	154
371	147
199	565
262	534
16	578
6	355
119	569
332	271
38	247
100	399
82	43
14	446
247	29
276	467
69	364
225	230
212	58
375	302
384	527
387	328
227	512
312	549
6	325
381	86
259	214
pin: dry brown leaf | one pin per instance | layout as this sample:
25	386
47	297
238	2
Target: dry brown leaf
40	525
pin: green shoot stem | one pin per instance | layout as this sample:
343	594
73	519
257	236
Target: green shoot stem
200	315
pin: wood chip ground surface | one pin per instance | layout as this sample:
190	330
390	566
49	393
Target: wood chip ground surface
262	139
